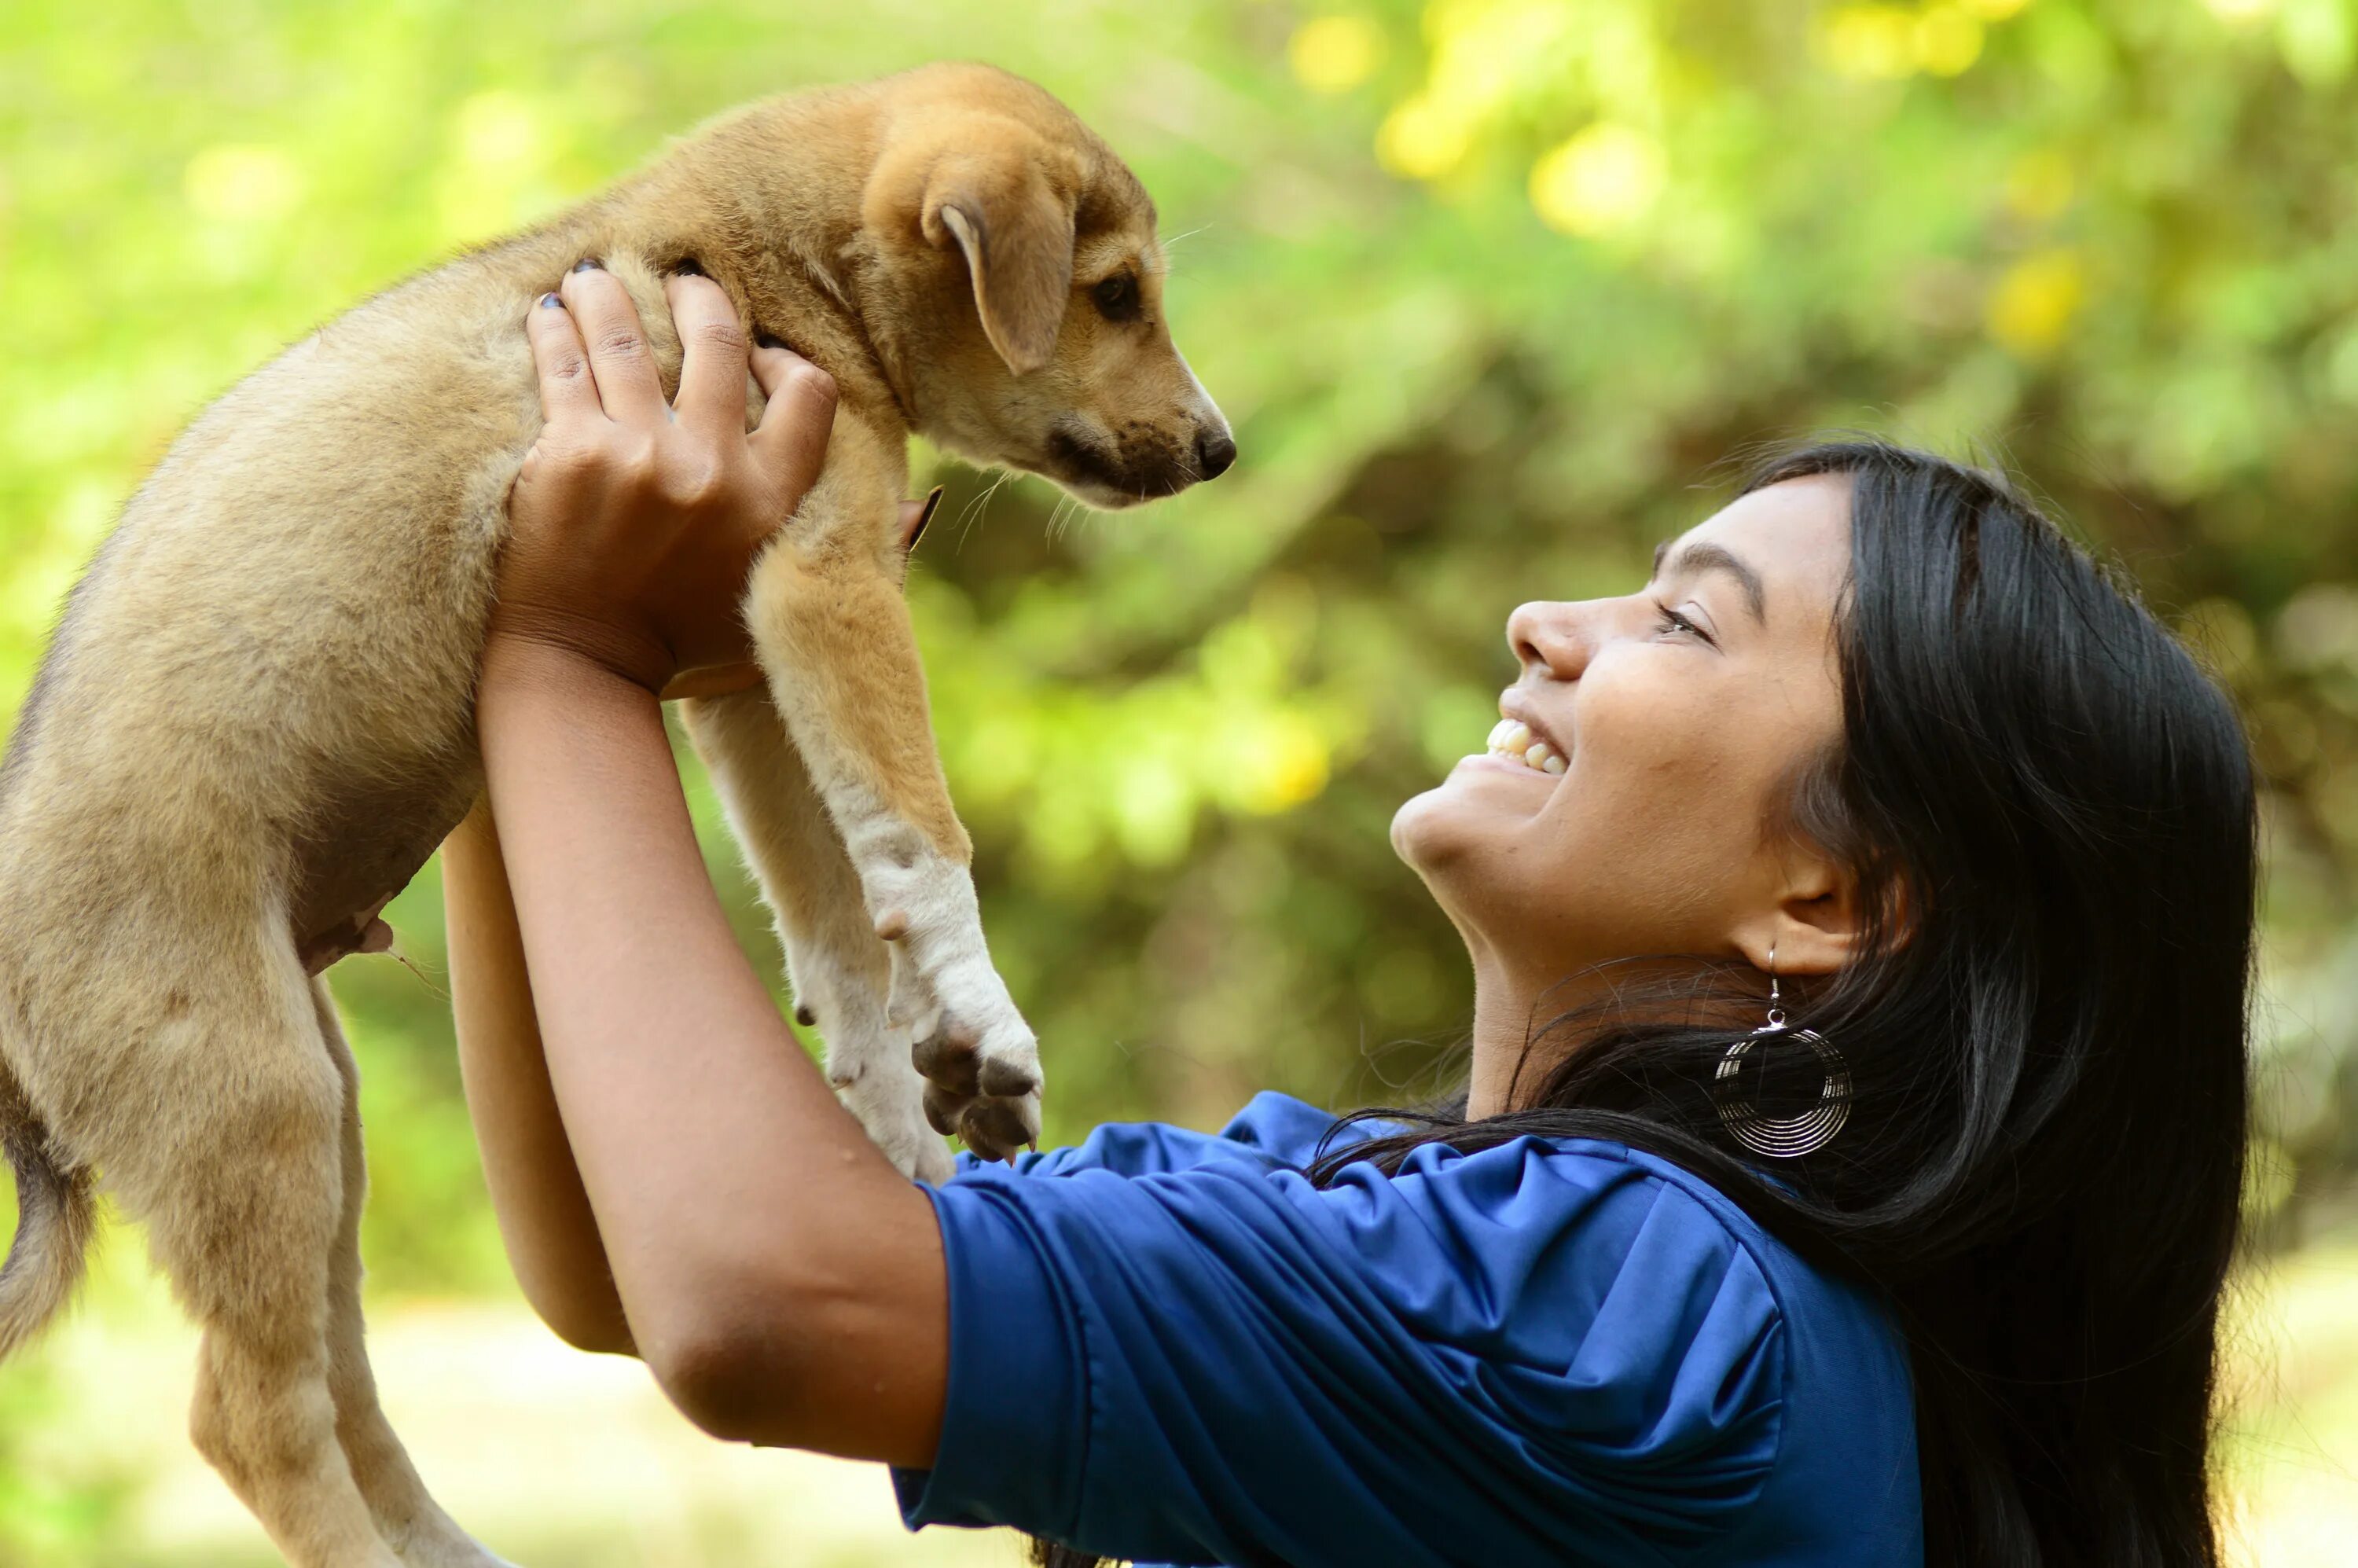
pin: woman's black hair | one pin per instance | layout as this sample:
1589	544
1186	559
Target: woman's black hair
2049	809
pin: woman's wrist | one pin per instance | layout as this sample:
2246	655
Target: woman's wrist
582	663
546	643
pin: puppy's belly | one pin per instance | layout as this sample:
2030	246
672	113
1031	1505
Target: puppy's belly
367	842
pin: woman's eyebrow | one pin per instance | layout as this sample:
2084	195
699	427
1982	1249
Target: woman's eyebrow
1710	557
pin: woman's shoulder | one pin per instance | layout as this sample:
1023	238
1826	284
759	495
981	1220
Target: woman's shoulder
1621	1218
1590	1224
1641	1350
1543	1186
1686	1333
1272	1132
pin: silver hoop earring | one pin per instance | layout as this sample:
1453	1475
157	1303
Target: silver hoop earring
1789	1137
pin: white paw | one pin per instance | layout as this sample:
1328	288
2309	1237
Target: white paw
980	1058
982	1064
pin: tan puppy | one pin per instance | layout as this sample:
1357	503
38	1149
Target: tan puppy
256	721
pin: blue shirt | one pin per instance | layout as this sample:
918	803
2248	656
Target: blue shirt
1168	1347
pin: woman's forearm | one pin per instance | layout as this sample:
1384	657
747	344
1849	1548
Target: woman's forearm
783	1281
543	1213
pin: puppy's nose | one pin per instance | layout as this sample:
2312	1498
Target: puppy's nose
1215	451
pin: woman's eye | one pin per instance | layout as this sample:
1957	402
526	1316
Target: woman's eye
1671	620
1117	297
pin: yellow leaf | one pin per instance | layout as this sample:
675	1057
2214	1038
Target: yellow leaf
2035	301
1602	179
1947	40
1421	140
1870	42
1335	54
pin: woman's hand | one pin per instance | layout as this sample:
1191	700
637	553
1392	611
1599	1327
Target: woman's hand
636	521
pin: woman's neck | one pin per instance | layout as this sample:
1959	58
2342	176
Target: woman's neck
1509	1010
1514	1050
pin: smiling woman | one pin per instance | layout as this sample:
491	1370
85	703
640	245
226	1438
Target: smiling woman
1679	715
1877	733
1875	744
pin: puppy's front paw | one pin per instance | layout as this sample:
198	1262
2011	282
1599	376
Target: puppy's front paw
982	1091
980	1060
981	1066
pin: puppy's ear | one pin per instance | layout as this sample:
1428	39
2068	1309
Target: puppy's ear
1005	199
1017	234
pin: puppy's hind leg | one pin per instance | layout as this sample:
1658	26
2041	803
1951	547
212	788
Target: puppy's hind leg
407	1516
243	1198
840	971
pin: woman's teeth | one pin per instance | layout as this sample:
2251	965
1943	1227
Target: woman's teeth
1512	739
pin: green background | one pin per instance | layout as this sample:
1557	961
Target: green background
1490	289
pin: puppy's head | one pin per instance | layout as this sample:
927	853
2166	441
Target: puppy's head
1024	293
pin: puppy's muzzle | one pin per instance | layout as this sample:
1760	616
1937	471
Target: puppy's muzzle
1140	466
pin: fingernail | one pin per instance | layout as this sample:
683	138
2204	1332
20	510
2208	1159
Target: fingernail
550	302
769	340
586	265
689	267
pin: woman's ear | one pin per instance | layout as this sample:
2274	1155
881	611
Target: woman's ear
1817	926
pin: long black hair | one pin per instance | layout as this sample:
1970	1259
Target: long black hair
2049	809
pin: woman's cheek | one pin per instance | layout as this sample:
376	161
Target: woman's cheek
1649	774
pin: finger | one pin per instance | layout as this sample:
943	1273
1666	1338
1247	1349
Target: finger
627	387
712	370
791	440
567	391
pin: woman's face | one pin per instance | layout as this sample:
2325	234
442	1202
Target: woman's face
1666	726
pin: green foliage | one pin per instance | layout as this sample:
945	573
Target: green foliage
1486	288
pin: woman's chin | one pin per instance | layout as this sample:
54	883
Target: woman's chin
1481	797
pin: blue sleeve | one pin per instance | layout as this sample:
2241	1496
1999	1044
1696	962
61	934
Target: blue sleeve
1522	1354
1273	1131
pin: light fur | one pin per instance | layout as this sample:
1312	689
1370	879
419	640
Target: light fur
256	721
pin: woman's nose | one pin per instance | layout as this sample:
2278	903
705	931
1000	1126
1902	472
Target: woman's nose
1550	636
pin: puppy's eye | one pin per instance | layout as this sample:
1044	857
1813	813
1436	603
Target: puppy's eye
1117	297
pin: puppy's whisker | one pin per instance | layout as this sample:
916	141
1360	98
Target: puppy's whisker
973	511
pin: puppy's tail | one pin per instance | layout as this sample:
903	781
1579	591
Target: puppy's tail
55	1216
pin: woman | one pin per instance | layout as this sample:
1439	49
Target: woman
1931	1272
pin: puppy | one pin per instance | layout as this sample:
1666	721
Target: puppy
254	722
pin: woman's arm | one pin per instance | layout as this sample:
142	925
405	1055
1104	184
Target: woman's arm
784	1282
543	1213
